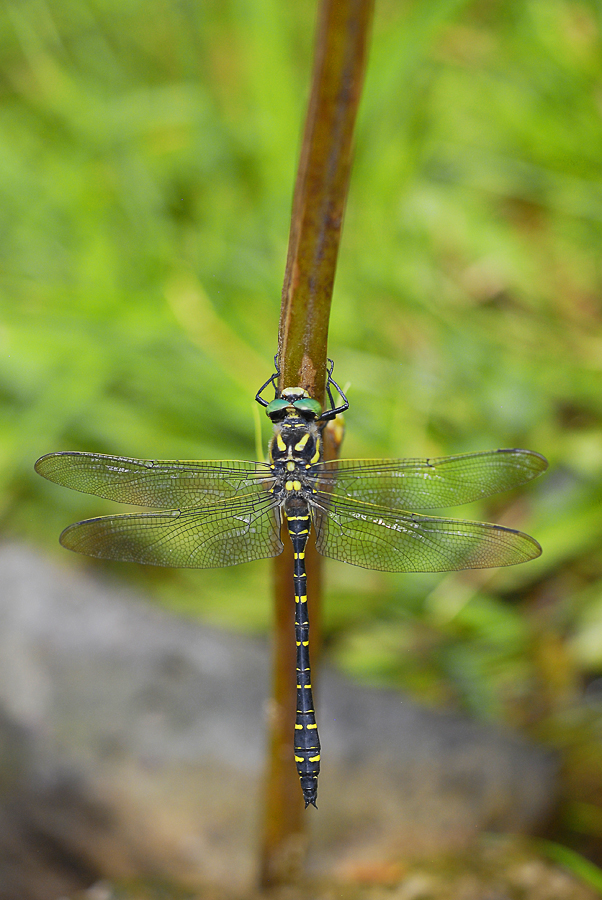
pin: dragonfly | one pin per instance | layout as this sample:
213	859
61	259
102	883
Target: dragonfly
364	512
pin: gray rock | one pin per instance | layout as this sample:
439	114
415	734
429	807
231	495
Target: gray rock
130	742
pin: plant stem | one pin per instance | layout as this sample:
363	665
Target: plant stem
317	218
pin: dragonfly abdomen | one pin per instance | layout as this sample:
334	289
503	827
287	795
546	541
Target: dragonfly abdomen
307	741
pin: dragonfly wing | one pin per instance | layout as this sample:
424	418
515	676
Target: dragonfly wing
430	483
224	534
162	484
376	538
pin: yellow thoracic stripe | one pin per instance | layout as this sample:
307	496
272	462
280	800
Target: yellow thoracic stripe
301	444
279	442
316	457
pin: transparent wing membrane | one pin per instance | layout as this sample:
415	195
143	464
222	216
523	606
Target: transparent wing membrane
233	531
430	483
219	513
159	484
376	538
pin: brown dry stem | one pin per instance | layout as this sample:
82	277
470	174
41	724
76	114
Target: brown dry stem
317	218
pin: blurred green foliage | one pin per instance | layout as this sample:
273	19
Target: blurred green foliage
147	161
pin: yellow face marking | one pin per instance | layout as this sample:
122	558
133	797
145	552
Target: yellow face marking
301	444
279	442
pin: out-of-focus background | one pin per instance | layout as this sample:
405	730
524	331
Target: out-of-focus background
147	160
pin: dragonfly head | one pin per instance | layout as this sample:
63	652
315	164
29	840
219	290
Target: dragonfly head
293	401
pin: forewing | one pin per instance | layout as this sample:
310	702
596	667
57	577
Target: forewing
430	483
224	534
161	484
375	538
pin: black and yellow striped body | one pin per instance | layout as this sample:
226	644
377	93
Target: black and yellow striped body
294	449
213	513
307	741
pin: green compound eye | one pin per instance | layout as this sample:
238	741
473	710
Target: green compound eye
308	406
276	406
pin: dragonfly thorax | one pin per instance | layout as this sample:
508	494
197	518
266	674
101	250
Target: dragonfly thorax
296	440
294	449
